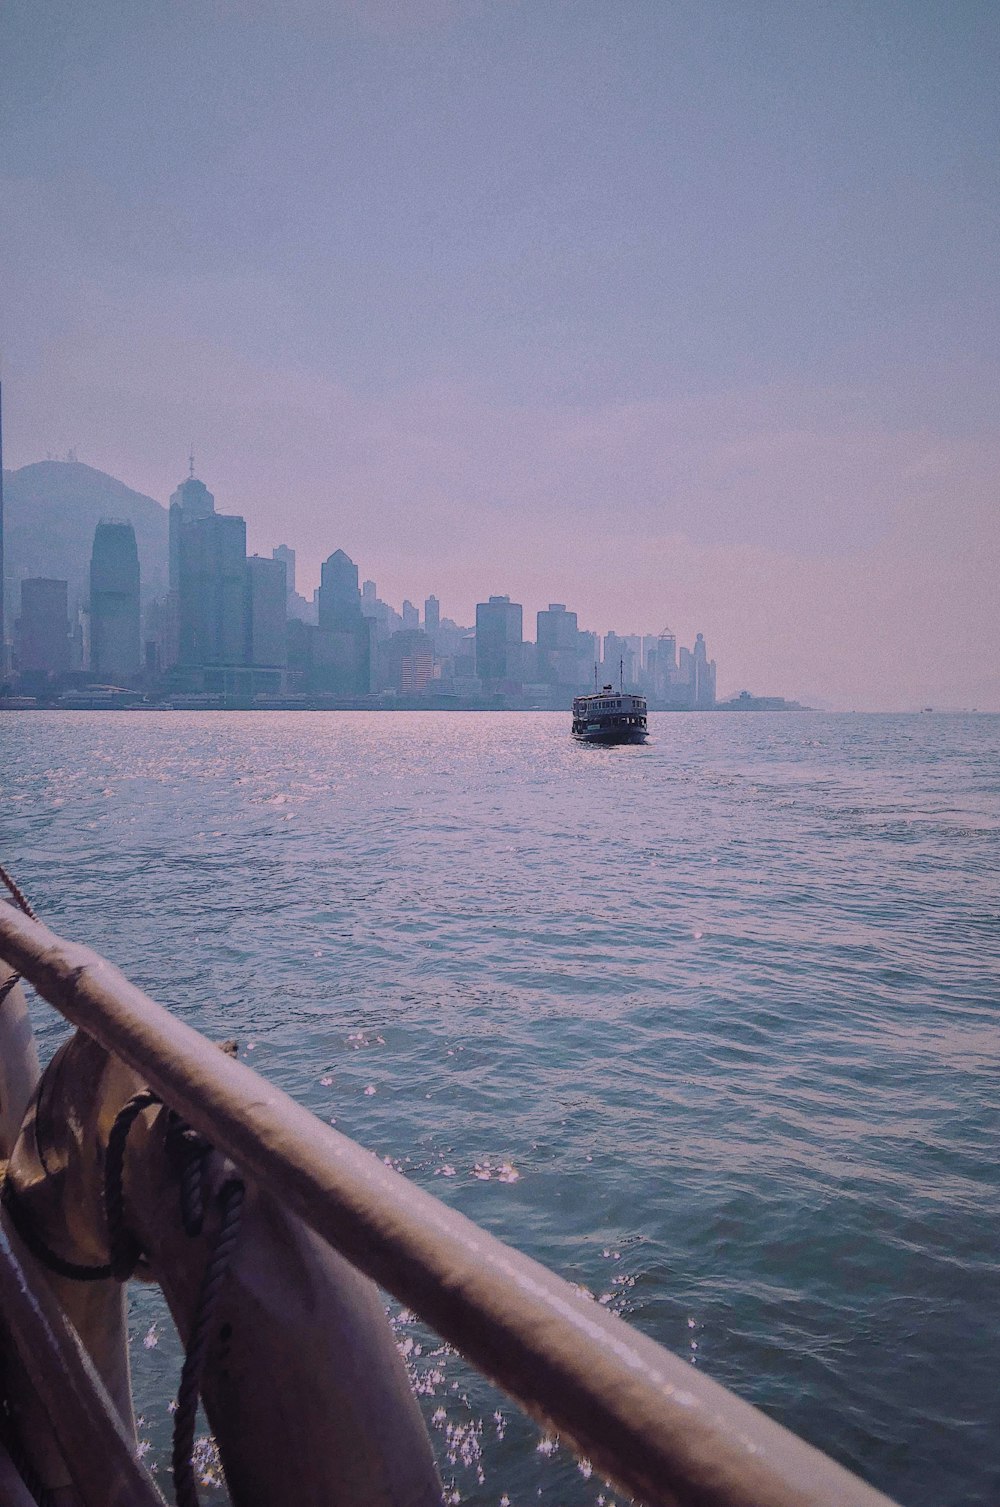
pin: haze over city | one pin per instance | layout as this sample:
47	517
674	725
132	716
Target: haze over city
677	314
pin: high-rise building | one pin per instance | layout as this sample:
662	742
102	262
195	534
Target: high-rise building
267	615
3	617
702	674
343	647
411	617
369	599
212	591
432	615
558	645
42	630
339	597
191	500
114	602
619	659
285	553
406	662
660	665
589	649
499	655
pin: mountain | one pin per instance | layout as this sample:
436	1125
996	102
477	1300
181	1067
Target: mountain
51	509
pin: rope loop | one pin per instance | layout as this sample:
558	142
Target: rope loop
75	1271
230	1201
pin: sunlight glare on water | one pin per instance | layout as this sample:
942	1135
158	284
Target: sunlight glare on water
708	1026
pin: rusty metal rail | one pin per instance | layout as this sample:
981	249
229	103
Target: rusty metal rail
663	1432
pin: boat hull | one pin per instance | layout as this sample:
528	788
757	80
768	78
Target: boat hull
612	735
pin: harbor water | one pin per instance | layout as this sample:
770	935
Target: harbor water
709	1026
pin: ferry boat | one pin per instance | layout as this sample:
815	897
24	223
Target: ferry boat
610	716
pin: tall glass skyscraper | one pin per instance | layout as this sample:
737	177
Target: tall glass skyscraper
114	602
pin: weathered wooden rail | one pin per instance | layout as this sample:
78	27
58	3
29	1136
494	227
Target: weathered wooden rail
663	1432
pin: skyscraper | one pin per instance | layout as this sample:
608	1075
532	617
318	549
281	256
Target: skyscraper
499	656
702	674
3	619
42	631
619	659
285	553
558	645
267	613
411	617
342	660
432	615
212	590
191	500
114	602
339	597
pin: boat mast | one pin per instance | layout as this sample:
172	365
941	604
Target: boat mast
621	675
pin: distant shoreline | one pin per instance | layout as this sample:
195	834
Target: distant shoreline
18	704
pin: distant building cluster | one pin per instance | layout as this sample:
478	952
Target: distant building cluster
233	628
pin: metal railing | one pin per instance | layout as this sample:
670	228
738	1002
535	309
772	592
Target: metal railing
664	1433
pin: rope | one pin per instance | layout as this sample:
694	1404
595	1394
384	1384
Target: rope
9	985
231	1196
18	894
191	1150
124	1248
21	899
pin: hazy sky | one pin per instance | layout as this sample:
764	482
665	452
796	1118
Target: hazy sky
678	313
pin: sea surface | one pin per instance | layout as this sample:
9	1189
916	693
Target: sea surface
710	1026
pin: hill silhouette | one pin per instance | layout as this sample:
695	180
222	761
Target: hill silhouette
51	509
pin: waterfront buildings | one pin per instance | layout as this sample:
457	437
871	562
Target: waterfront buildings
114	603
191	500
339	597
558	646
266	615
212	592
620	660
286	555
41	635
238	627
406	663
499	644
341	654
3	615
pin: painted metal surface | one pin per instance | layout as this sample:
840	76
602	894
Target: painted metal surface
664	1433
86	1426
13	1492
304	1388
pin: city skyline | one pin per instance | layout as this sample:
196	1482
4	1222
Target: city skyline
193	492
215	621
696	304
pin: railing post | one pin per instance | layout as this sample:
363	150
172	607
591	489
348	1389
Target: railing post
98	1450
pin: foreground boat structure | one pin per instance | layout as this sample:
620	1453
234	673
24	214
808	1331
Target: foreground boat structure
661	1431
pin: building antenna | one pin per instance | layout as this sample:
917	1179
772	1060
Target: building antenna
191	461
